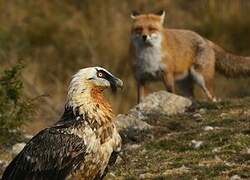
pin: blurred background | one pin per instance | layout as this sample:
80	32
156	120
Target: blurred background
43	43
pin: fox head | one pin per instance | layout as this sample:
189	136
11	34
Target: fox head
147	29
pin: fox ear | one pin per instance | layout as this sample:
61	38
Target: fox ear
134	14
162	14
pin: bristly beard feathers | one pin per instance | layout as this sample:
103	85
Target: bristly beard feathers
88	102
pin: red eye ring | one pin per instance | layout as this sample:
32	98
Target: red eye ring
99	74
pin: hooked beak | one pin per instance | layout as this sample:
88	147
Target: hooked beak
115	83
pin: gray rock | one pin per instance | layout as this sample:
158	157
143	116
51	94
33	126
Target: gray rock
134	123
163	103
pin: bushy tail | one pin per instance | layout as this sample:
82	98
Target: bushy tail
229	64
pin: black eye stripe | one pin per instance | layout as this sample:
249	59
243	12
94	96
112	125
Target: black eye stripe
109	78
105	75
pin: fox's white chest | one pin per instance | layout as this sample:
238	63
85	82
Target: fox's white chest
149	62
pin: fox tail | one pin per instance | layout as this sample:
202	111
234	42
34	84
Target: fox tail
229	64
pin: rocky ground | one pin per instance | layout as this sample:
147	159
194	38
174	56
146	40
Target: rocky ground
166	137
208	141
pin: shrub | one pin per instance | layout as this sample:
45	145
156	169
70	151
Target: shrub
15	108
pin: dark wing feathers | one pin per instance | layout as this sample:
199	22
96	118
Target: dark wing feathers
49	155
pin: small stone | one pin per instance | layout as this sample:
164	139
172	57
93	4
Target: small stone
202	110
17	148
28	136
183	167
217	158
146	176
2	162
235	177
223	115
196	144
112	174
208	128
197	115
228	164
144	151
201	165
216	150
12	130
134	146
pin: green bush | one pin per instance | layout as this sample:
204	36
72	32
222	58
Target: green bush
15	108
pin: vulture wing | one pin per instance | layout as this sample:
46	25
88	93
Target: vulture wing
51	154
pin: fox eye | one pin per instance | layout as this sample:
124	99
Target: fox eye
99	74
152	29
138	29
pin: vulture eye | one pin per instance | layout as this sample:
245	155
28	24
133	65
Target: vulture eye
99	74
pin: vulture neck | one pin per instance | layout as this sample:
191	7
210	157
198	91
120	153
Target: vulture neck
89	104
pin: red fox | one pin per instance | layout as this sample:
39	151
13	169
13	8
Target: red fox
169	55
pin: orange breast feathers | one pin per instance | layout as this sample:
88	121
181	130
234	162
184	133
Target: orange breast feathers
101	102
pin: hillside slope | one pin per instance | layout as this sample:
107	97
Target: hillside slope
207	141
210	141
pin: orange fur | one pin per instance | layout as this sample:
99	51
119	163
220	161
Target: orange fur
184	54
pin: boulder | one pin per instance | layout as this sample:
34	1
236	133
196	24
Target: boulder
134	123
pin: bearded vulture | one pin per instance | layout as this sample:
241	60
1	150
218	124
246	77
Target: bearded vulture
82	144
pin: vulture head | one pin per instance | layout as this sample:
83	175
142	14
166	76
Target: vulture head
91	81
95	77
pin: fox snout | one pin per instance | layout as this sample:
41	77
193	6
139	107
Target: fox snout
144	37
151	39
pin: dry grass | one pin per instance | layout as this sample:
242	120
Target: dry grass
171	154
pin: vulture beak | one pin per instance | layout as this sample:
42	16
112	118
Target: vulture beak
115	83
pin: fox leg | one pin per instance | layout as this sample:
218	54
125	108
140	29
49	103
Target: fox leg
187	86
168	81
203	69
141	91
205	81
210	88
